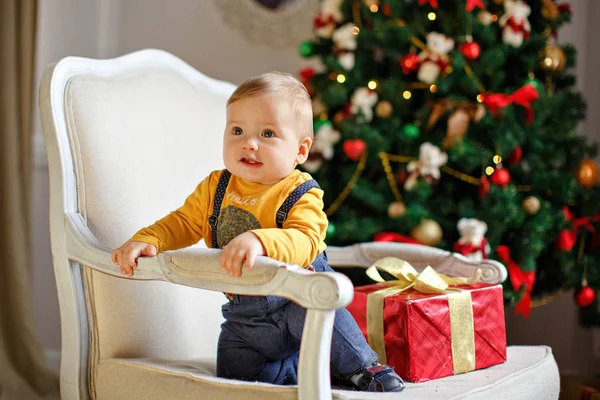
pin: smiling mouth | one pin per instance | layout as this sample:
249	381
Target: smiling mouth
250	162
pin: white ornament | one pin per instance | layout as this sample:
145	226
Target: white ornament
325	28
346	60
514	22
363	101
431	158
485	17
327	17
344	37
435	58
312	166
325	138
333	8
472	240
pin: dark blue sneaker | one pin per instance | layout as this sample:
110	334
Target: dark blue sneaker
376	378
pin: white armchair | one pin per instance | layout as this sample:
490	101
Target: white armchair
127	139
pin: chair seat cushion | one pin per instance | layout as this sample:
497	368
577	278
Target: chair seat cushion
530	372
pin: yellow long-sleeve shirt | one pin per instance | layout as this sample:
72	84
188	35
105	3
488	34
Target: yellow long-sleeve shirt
247	206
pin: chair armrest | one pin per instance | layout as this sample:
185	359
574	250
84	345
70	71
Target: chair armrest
200	268
363	255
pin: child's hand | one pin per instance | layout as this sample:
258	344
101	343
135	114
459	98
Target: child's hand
126	256
244	248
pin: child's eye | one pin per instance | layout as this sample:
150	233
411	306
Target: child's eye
237	131
268	133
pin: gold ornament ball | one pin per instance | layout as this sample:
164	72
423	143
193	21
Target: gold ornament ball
396	209
553	59
587	174
384	109
428	232
531	205
485	17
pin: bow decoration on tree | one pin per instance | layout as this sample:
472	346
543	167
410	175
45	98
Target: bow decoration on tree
434	3
471	4
567	237
523	97
519	279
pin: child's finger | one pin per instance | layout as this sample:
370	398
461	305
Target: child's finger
128	262
223	257
229	257
113	256
237	262
226	260
149	251
250	259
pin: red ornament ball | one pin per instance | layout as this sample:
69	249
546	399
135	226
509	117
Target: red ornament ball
354	148
409	63
515	155
470	50
307	73
500	177
585	296
566	240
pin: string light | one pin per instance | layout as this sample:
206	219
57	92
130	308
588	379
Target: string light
341	78
479	98
497	159
494	18
432	88
489	171
355	30
431	16
372	85
374	8
406	94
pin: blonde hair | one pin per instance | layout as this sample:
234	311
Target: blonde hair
284	85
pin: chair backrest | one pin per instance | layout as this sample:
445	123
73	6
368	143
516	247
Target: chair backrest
128	139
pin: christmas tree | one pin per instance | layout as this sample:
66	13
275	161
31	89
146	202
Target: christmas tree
453	123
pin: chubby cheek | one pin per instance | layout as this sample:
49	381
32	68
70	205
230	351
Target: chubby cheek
229	153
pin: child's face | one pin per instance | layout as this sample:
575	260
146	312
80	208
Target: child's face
262	141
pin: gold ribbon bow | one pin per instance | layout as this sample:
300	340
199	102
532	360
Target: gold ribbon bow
430	282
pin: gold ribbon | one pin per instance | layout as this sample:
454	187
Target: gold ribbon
429	282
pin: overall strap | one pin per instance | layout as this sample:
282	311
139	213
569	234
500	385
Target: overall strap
292	199
219	195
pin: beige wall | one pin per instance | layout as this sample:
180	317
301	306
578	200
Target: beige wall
65	27
193	31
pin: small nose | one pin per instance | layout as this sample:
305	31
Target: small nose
250	144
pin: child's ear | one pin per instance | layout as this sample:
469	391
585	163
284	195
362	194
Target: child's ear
303	150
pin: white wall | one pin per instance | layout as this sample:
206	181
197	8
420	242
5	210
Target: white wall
193	31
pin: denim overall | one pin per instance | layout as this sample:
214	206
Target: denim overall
260	337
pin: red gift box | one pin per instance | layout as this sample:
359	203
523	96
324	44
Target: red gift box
419	339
